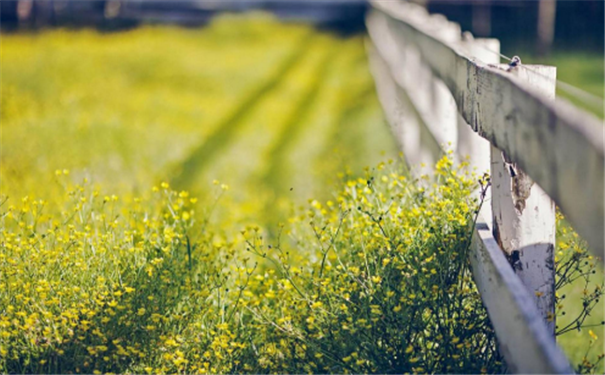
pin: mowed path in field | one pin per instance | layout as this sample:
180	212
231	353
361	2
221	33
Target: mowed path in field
275	111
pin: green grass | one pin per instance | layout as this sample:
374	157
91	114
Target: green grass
576	343
277	112
251	106
583	69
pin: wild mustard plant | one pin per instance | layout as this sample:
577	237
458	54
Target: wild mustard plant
375	280
100	283
579	297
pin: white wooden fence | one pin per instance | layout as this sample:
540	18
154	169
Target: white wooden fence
440	89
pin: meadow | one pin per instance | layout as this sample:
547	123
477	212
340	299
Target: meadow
583	69
229	199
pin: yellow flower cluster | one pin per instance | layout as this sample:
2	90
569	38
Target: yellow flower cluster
98	283
375	279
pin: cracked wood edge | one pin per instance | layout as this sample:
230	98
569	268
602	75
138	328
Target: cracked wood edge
558	145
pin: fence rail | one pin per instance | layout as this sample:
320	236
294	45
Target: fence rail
439	89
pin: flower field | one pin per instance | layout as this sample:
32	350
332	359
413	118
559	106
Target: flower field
199	201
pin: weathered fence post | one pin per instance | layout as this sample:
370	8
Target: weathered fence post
560	146
524	216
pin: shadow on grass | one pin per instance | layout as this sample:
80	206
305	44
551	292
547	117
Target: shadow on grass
203	155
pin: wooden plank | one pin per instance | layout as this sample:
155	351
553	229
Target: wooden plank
523	338
430	99
469	143
407	124
558	145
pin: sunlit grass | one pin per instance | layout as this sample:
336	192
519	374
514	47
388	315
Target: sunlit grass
229	103
582	69
260	114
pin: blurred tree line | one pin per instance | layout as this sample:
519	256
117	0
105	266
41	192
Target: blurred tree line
530	24
534	25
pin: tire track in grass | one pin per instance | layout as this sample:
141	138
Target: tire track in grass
242	164
340	86
250	157
201	156
356	138
367	132
347	115
272	176
345	130
303	158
